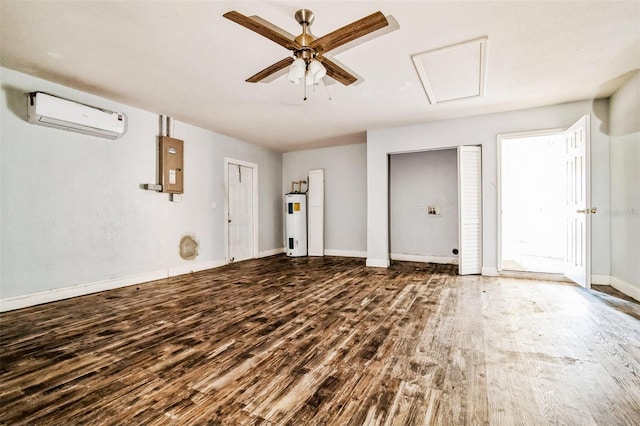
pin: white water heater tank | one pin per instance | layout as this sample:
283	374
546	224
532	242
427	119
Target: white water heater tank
296	224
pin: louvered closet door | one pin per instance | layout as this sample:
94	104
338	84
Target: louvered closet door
469	210
316	212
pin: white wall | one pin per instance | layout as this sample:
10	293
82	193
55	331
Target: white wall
418	180
483	130
625	187
73	212
345	174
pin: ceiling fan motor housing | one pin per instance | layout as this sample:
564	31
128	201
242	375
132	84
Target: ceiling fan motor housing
304	17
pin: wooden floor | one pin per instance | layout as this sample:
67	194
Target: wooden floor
325	341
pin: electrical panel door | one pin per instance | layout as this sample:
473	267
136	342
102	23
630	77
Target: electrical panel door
172	165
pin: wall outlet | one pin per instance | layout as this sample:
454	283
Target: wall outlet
434	210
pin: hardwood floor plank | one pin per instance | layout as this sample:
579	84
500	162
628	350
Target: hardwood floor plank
311	341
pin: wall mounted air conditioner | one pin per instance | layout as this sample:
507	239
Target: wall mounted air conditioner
52	111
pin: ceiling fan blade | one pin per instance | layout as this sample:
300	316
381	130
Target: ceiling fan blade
336	72
272	69
268	31
350	32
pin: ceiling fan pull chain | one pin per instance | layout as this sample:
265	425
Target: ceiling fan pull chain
304	83
327	89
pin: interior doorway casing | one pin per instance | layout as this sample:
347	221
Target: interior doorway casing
418	180
381	239
255	230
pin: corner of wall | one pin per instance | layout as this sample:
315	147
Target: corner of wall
378	263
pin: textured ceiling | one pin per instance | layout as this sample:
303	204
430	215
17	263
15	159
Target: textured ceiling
183	59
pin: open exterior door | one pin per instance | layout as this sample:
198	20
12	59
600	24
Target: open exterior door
469	210
578	142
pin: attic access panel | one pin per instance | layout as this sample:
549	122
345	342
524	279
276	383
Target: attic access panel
453	72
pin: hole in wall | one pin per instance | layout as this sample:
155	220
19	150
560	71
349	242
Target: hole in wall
188	247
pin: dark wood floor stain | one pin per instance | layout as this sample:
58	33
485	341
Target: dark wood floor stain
324	341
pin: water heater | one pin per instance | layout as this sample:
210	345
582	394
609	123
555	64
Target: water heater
296	224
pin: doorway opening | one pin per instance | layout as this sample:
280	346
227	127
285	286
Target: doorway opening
435	207
533	182
423	206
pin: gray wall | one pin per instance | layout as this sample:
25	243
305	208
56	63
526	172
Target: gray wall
416	181
72	210
345	174
483	130
625	187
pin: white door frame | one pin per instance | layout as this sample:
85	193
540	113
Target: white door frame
254	213
500	138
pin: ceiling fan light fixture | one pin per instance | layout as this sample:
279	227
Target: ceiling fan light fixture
297	71
316	71
308	78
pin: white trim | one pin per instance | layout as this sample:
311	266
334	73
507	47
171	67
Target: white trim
188	269
62	293
345	253
625	287
55	294
271	252
423	258
489	271
254	191
482	69
600	279
378	263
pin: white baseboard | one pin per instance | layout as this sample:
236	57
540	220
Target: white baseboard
489	271
56	294
271	252
345	253
423	258
600	279
378	263
187	269
625	287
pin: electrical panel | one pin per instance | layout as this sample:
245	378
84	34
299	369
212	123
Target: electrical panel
172	165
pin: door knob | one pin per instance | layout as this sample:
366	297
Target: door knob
592	210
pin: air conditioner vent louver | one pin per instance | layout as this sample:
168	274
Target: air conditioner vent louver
52	111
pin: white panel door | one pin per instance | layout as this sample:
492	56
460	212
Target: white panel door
469	210
240	220
316	213
577	142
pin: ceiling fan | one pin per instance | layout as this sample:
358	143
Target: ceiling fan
308	61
